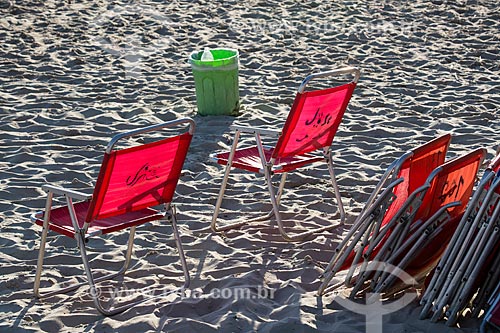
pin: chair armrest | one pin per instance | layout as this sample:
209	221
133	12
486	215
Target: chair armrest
66	192
253	130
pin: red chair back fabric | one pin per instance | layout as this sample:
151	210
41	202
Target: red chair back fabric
416	170
454	182
139	177
313	120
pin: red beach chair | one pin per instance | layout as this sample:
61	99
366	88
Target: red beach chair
131	181
310	127
384	206
449	189
469	269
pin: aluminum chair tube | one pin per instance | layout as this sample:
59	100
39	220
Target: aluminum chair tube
342	252
462	262
448	263
469	278
417	239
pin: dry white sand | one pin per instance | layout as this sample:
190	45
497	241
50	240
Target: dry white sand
72	74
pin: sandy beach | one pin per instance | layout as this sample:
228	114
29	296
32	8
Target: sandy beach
74	73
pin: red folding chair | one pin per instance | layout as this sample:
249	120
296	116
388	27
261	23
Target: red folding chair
449	190
384	206
469	268
130	183
310	127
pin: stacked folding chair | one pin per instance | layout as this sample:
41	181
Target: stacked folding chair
132	181
306	138
387	198
469	270
410	215
492	317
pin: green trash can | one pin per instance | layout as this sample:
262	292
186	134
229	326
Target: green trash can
216	82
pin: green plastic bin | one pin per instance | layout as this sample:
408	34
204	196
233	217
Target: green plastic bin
216	82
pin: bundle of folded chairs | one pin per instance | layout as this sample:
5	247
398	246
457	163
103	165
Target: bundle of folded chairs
410	216
465	281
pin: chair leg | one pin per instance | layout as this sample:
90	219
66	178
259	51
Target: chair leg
43	241
346	247
270	214
275	199
90	277
181	251
213	225
222	190
74	286
370	215
359	255
92	282
462	296
336	189
112	310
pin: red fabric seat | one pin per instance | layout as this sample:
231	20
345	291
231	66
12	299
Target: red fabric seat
249	159
60	220
412	231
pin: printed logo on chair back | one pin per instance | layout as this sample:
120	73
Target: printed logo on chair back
144	173
313	120
139	177
454	183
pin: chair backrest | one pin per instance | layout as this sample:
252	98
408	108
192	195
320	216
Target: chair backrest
453	181
415	171
143	176
313	119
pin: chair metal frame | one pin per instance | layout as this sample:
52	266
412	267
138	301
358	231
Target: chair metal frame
268	168
494	304
449	263
487	289
451	285
488	237
368	225
81	235
490	286
412	239
396	243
